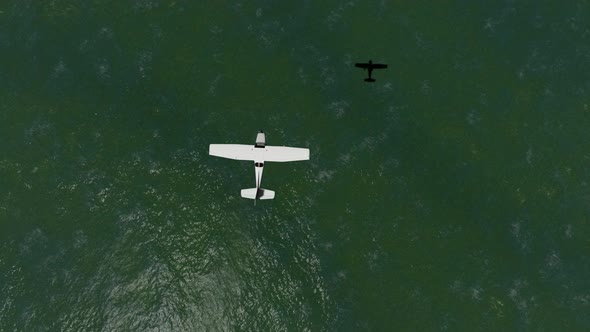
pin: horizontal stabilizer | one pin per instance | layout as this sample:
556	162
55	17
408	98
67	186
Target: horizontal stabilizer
369	80
262	193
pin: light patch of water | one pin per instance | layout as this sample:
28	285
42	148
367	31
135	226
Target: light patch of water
328	246
372	259
425	88
144	63
32	40
522	236
568	231
36	239
420	41
324	176
302	75
213	86
84	46
552	261
457	287
103	194
342	275
80	239
476	293
515	228
133	216
582	299
39	130
529	156
490	24
335	16
103	69
483	99
345	158
155	168
473	117
106	33
216	30
145	5
348	59
338	108
59	69
156	31
327	76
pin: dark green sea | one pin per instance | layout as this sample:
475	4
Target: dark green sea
453	194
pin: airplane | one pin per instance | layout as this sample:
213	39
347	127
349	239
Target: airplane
370	66
259	153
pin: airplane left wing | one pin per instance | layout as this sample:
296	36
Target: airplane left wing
361	65
285	153
379	66
232	151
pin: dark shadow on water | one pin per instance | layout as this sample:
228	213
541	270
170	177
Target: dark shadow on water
370	66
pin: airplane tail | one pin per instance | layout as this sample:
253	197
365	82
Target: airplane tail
369	80
262	193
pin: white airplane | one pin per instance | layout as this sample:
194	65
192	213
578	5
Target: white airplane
259	153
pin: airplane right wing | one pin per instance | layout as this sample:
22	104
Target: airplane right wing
361	65
379	66
285	153
232	151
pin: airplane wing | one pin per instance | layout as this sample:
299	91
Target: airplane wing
379	66
361	65
232	151
284	153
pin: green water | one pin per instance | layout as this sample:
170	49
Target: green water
450	195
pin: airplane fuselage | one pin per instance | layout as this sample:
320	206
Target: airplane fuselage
259	160
258	169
